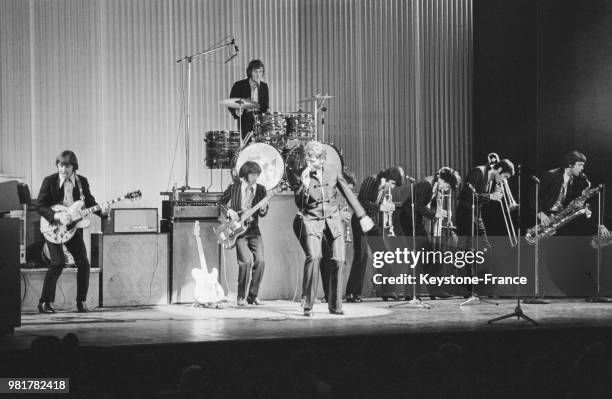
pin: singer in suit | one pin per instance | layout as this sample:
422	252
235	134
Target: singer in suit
371	196
317	199
252	88
241	196
64	188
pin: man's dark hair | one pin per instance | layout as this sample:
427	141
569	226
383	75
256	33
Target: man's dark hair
450	176
571	158
249	167
254	64
67	157
506	166
395	173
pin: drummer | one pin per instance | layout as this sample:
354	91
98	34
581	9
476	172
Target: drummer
254	89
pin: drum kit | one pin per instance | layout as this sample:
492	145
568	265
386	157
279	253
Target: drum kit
277	143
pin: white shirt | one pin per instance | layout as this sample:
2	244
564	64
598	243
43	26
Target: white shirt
62	179
243	190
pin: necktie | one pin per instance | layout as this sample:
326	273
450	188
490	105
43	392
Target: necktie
68	198
249	197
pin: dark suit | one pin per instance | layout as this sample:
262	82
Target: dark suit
52	194
242	89
368	198
550	187
324	233
478	178
250	243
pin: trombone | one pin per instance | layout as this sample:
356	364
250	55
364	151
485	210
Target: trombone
508	204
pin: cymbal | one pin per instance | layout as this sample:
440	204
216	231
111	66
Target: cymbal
236	102
316	97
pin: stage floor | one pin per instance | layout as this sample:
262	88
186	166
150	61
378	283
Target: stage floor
284	320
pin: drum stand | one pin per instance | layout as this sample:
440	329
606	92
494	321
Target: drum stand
415	301
600	201
188	60
537	298
473	296
518	312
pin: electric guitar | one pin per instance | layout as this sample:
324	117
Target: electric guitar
207	289
228	232
59	233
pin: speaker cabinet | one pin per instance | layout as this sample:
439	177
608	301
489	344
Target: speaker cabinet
185	256
133	268
10	289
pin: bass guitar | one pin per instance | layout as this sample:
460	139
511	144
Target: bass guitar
59	233
228	232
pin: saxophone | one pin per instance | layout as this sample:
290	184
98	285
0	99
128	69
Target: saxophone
574	209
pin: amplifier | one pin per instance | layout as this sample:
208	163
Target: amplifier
206	209
131	220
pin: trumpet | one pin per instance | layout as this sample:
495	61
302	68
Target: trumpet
444	201
388	216
508	204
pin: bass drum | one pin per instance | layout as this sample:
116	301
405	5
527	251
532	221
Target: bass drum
269	159
296	162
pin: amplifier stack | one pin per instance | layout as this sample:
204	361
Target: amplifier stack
180	212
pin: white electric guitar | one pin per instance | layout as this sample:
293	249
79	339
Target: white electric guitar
207	290
59	233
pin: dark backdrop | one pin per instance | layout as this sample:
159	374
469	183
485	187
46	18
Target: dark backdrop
543	83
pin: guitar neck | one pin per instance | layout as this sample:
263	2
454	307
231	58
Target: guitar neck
247	214
96	208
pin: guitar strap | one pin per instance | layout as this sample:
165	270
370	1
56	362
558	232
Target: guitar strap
78	182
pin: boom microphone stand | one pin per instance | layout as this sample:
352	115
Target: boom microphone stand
518	312
537	299
188	60
415	301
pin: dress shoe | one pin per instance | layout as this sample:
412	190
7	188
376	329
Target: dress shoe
338	312
357	298
308	312
45	308
254	301
82	307
394	297
240	302
408	298
350	298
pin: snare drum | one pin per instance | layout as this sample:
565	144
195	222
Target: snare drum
270	160
296	162
270	128
221	147
300	125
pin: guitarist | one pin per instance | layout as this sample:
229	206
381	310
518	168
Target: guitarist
64	188
241	196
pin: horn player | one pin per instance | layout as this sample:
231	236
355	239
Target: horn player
433	211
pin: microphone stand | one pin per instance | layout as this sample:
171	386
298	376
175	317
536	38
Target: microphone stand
600	199
415	301
518	312
188	60
537	299
473	296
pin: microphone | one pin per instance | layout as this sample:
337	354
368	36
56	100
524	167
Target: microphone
410	179
535	179
323	109
471	187
235	49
